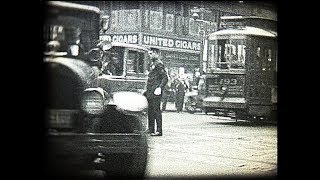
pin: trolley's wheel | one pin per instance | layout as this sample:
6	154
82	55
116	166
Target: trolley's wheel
190	109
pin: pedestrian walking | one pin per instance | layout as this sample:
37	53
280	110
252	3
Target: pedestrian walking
181	88
168	93
157	79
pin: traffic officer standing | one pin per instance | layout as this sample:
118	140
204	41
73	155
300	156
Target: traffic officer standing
157	79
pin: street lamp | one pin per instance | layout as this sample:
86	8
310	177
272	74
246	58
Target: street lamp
202	33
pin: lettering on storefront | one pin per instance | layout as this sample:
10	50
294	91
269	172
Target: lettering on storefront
122	38
171	43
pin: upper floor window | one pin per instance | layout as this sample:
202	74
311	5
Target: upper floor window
156	5
131	4
156	20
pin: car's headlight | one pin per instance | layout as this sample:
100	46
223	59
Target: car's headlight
130	101
93	100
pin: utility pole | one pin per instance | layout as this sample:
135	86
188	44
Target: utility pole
198	16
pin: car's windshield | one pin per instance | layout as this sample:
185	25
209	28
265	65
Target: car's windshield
76	32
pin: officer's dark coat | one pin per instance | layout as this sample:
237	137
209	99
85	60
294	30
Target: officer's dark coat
157	78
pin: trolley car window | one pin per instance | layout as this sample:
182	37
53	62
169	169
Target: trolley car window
230	54
258	51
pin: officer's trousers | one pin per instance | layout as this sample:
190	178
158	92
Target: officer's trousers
154	114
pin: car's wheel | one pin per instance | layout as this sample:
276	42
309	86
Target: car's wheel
138	166
191	109
129	165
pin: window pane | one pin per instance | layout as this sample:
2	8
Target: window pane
135	62
231	54
130	62
155	20
258	52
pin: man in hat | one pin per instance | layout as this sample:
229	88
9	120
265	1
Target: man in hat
157	79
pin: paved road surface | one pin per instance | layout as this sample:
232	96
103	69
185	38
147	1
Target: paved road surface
205	145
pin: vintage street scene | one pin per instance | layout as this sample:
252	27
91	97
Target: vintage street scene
160	89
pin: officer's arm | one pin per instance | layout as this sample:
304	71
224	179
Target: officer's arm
164	79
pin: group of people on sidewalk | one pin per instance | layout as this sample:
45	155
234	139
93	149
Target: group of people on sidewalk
175	89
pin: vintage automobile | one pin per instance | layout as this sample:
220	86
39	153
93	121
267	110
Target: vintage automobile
87	128
125	67
194	100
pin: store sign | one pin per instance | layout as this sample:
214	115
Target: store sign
171	43
123	38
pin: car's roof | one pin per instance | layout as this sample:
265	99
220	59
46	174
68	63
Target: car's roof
247	30
74	6
135	46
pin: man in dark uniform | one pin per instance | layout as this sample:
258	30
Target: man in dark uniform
157	79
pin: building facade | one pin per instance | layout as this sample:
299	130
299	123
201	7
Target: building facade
166	25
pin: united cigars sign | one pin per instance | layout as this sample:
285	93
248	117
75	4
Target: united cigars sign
171	42
122	38
151	40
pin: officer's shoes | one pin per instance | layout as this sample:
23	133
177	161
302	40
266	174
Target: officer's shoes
148	132
156	134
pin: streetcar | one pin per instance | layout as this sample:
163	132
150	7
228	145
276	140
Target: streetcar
125	67
241	69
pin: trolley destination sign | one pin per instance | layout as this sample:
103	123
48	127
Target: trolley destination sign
233	83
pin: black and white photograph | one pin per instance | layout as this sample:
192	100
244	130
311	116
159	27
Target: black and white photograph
160	89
